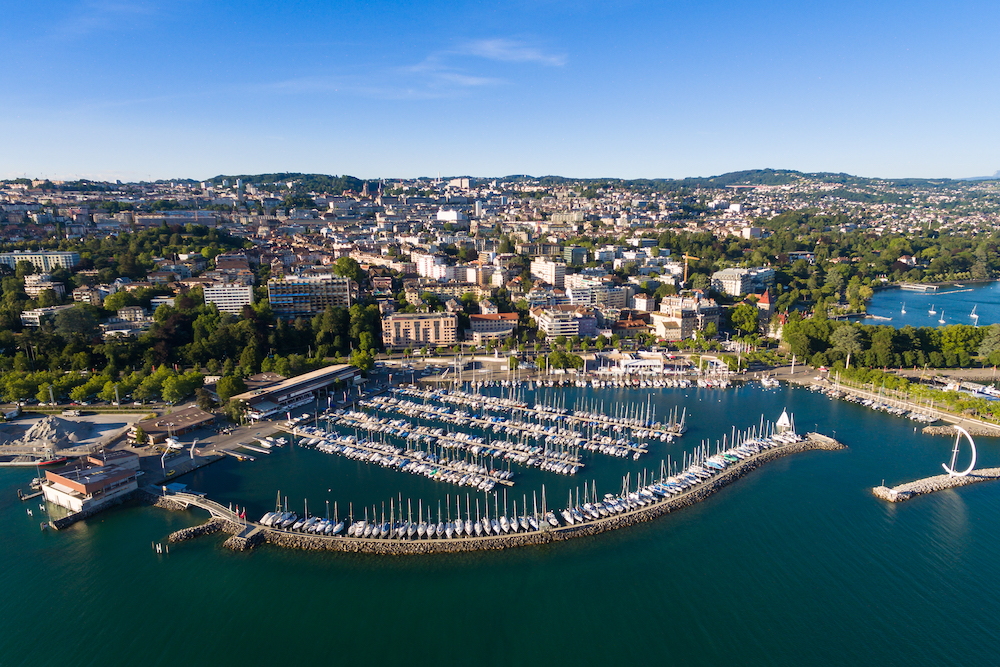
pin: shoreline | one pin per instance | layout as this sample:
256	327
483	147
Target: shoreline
247	536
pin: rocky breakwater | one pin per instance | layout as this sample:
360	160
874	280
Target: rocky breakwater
207	528
898	494
286	539
973	429
165	503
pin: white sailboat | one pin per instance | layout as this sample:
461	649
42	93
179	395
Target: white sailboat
941	321
932	311
904	308
973	314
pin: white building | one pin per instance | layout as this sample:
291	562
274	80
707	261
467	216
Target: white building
230	298
552	273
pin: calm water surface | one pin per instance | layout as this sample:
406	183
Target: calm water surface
952	303
795	564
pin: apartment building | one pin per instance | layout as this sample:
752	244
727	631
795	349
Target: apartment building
552	273
737	282
230	298
43	260
303	296
419	329
680	317
565	320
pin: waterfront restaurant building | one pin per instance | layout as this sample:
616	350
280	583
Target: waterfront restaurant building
286	395
93	487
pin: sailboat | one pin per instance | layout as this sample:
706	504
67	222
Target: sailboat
904	308
941	321
973	314
932	311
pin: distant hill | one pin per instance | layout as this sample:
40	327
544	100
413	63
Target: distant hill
994	177
321	183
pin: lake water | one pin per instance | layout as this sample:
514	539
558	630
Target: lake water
795	564
954	304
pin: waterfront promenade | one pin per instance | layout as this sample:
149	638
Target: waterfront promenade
807	377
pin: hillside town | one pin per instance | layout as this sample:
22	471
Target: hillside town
238	275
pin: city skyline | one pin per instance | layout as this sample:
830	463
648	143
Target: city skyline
640	90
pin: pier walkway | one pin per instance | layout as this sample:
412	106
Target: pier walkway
393	546
898	494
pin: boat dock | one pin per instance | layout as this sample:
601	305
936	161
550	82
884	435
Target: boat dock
406	460
920	487
238	455
253	448
645	507
543	458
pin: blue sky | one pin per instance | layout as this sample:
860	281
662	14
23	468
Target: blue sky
172	88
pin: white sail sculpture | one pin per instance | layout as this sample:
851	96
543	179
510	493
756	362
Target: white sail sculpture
950	469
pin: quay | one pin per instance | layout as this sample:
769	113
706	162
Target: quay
898	494
247	534
971	424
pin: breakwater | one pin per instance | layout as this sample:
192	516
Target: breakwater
950	431
247	535
903	492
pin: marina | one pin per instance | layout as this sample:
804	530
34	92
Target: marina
399	533
795	513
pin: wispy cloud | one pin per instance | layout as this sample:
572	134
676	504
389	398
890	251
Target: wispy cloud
98	15
446	73
510	51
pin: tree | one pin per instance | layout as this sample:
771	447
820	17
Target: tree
204	399
349	268
990	347
745	318
250	359
847	339
229	386
140	436
363	360
76	321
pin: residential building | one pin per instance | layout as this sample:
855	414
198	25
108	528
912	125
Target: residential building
419	329
504	323
565	320
34	318
44	260
37	283
552	273
575	255
302	296
680	317
229	298
737	282
644	302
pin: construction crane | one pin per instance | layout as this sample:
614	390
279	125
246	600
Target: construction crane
686	258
